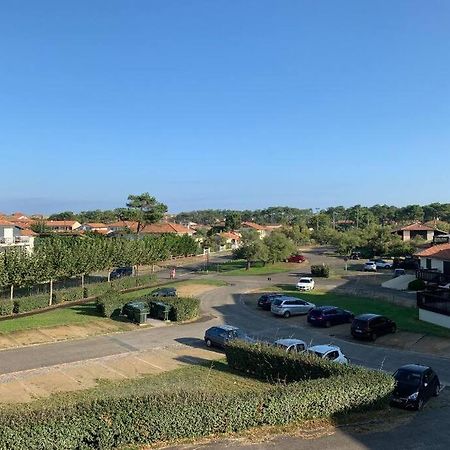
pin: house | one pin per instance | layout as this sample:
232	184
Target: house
14	236
232	240
100	228
260	229
417	230
167	228
435	259
63	226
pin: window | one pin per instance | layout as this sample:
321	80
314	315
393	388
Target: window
300	347
428	263
332	355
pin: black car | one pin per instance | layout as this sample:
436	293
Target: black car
415	384
408	263
329	315
371	326
219	336
164	292
265	301
121	272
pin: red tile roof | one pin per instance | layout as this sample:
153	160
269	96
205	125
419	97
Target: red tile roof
27	232
8	223
96	225
417	227
166	227
60	223
253	225
230	235
441	251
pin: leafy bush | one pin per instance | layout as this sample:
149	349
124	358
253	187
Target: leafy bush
117	421
275	365
131	282
110	303
320	271
181	308
416	285
25	304
6	307
68	295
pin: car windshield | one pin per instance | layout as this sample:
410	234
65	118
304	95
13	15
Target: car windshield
278	345
304	280
320	355
277	302
407	377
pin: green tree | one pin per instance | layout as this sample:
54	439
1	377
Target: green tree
145	209
279	246
233	221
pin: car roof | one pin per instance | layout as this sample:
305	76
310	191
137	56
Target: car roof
305	278
289	342
323	348
367	316
416	368
325	307
226	327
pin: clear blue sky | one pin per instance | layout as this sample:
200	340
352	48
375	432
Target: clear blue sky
223	104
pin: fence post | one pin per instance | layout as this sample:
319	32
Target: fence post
12	292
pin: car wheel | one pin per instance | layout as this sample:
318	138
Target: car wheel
328	324
287	314
393	329
387	267
373	336
437	390
208	343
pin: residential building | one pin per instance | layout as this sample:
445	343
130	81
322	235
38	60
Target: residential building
435	259
63	226
260	229
14	236
100	228
418	230
232	240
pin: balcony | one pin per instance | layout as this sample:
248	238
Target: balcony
16	241
436	301
432	276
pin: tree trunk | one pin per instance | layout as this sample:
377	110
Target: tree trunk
153	268
12	292
82	281
50	299
109	276
136	270
248	265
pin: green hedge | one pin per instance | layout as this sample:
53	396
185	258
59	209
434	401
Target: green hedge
6	307
110	303
416	285
320	271
131	282
68	295
182	308
275	365
118	421
25	304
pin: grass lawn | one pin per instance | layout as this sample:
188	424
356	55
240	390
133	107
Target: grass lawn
74	315
238	267
407	319
82	314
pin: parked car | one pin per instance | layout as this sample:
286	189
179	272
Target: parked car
382	264
291	345
290	306
370	266
355	255
305	284
265	301
415	384
296	259
330	352
399	272
329	315
120	272
371	326
219	336
408	263
164	292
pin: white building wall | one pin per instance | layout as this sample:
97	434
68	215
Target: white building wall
435	263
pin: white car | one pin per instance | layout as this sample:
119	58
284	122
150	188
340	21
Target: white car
330	352
291	345
305	284
381	264
370	266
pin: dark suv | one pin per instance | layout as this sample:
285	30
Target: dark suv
415	384
121	272
371	326
329	315
219	336
265	301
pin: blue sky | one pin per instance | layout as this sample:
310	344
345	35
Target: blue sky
223	104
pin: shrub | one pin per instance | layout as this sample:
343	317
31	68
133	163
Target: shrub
6	307
131	282
181	308
145	418
110	303
275	365
320	271
25	304
416	285
68	295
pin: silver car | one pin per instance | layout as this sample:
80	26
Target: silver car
290	306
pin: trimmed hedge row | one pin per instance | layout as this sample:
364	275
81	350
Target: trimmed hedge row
25	304
110	303
275	365
113	422
182	308
6	307
320	271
